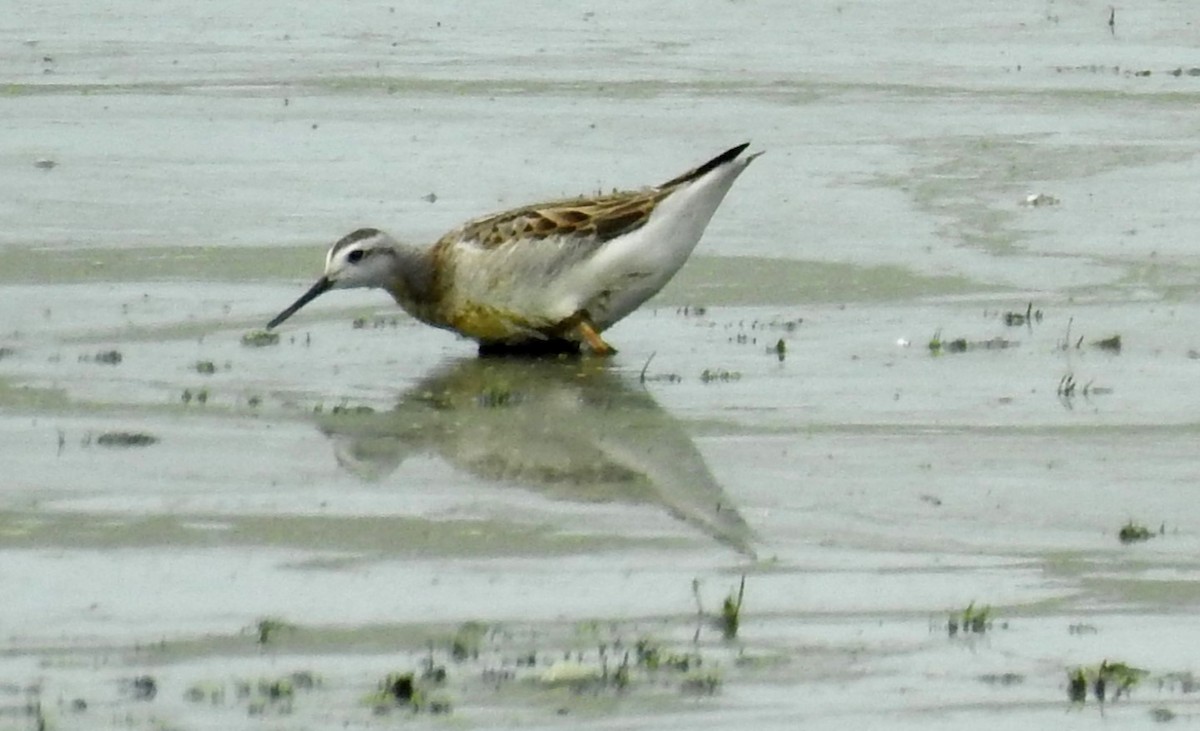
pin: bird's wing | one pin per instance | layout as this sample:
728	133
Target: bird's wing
699	172
589	222
586	221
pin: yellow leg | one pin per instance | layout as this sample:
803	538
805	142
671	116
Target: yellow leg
588	334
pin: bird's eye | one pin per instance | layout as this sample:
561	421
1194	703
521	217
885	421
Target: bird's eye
355	256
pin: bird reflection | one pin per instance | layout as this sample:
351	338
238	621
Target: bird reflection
570	429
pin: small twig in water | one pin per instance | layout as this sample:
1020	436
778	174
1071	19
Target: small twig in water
642	375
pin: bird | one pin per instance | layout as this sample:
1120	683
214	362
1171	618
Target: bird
542	278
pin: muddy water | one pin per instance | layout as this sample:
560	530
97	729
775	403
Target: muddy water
367	497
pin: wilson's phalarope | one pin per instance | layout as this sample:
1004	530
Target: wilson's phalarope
548	276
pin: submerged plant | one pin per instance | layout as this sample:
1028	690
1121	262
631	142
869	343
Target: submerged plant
937	345
1133	532
1118	677
705	682
467	641
971	620
1026	318
715	375
108	357
260	339
268	627
401	690
731	612
1077	685
126	439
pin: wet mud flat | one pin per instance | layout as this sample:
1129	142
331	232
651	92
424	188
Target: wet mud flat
359	531
928	386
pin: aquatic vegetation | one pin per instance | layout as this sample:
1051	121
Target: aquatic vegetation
651	655
1118	677
938	346
1066	386
1026	318
206	367
1162	715
262	695
1184	682
401	690
277	689
705	682
143	688
203	691
1077	685
274	695
715	375
1118	674
648	653
495	396
1111	344
346	409
360	323
399	686
433	672
729	620
935	342
260	339
1003	679
126	439
268	627
972	620
1065	343
1133	532
731	612
105	357
467	641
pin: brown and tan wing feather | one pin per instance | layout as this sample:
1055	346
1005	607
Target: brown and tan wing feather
594	220
590	221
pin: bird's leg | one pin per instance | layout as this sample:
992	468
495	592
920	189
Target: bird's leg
588	334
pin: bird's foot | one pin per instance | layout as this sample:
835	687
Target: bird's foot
595	343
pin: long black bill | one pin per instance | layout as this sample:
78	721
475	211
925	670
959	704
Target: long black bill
321	287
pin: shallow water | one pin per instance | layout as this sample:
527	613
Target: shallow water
365	486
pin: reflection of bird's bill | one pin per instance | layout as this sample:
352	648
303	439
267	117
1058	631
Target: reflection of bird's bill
322	286
569	429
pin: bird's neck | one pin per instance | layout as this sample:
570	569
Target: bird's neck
412	284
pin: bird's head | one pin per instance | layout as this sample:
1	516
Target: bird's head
363	258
